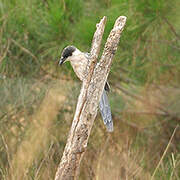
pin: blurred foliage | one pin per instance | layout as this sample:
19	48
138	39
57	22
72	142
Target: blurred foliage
38	99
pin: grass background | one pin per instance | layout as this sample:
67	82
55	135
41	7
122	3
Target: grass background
38	98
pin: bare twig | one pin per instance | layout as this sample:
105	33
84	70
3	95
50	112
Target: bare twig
24	49
35	58
42	162
88	100
165	151
5	51
163	110
171	28
7	150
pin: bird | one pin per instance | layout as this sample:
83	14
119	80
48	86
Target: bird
79	62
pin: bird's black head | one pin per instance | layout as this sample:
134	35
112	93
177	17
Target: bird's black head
67	52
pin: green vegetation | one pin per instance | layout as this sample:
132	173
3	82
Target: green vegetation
38	98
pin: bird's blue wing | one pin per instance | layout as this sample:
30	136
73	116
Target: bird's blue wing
105	111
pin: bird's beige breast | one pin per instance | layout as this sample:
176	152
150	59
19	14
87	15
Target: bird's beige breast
79	65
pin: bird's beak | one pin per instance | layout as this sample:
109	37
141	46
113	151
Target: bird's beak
61	61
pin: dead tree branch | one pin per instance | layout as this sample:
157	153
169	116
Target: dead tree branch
88	100
160	109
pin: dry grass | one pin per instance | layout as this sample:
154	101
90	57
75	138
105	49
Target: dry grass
37	136
132	151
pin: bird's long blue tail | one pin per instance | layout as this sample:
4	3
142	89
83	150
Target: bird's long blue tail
105	111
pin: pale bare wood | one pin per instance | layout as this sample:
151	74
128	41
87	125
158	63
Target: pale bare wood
88	100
